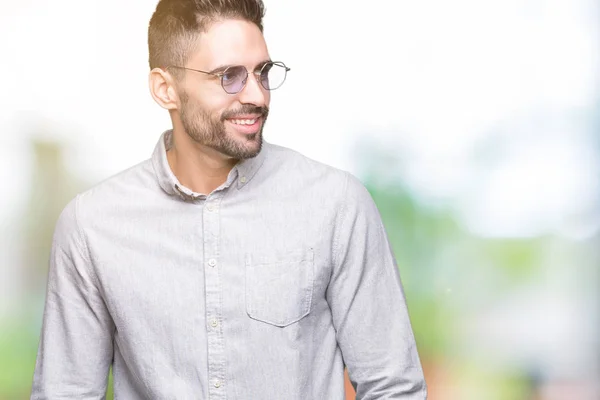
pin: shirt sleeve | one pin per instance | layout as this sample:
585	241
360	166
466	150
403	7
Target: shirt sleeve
368	305
75	350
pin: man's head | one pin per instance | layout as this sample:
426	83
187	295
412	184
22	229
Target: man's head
194	46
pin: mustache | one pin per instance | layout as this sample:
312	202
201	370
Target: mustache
246	109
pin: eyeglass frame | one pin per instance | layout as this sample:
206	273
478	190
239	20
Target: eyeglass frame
256	73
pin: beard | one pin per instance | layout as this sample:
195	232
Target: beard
209	130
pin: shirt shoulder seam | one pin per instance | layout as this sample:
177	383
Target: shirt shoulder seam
339	220
82	243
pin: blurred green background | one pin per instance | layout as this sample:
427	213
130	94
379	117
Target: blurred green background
475	127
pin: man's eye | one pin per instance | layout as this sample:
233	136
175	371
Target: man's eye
228	76
233	74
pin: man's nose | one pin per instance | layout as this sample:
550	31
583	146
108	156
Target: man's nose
253	92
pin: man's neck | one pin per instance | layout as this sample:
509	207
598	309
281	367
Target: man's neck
198	167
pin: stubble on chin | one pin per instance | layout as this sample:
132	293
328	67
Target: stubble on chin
206	131
252	146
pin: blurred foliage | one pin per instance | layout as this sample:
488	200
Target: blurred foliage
431	247
52	186
110	392
444	267
18	347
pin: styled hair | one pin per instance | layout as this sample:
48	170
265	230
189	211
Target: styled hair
176	24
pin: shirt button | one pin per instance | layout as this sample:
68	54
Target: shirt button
214	323
212	262
243	179
210	208
217	383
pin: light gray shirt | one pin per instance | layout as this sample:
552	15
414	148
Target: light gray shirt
265	288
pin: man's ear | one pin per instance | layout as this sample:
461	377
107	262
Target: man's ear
162	89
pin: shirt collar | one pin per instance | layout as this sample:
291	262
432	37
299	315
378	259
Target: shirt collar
243	171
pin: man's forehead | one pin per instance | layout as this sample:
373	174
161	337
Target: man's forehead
230	42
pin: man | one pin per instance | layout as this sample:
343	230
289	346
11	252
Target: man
223	267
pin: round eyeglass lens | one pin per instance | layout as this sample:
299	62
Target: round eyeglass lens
234	79
273	75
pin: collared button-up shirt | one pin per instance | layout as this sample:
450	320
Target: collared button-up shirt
265	288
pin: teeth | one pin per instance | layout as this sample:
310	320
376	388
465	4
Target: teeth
243	121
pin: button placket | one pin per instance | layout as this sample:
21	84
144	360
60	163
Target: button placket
211	233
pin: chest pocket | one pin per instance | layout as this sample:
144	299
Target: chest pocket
279	287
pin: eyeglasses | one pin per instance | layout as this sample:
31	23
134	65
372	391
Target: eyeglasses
233	79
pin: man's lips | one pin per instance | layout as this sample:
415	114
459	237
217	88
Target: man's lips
245	116
246	124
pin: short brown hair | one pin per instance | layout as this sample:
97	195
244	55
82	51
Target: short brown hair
175	25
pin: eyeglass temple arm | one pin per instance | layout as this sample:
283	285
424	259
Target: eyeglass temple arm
221	73
196	70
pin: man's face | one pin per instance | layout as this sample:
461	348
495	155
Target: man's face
232	124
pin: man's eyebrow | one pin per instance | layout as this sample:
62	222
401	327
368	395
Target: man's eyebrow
222	68
262	64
